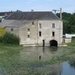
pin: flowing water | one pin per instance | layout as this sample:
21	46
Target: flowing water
25	62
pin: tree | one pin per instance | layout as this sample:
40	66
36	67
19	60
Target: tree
66	26
9	38
72	23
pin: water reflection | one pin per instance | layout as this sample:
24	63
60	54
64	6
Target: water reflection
72	62
2	71
67	69
43	54
36	53
43	50
53	48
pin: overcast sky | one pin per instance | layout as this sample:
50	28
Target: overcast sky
37	5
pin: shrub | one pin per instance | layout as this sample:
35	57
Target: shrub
1	38
9	38
73	39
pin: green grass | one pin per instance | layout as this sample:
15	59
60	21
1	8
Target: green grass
9	57
72	43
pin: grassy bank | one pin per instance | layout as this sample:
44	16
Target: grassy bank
71	44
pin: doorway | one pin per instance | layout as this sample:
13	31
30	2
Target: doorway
53	43
43	43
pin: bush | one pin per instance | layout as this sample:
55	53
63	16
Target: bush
9	38
73	39
1	38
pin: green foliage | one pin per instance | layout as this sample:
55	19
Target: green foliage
1	39
68	22
65	26
72	43
72	23
9	38
65	15
73	39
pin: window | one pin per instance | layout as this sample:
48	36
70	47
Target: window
32	23
40	25
0	20
11	29
53	34
53	25
39	33
28	36
28	29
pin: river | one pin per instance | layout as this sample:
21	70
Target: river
28	61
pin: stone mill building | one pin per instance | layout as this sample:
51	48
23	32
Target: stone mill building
41	28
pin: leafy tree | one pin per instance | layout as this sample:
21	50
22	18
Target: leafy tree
9	38
72	23
66	23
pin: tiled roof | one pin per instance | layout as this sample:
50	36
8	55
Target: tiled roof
18	19
33	16
14	23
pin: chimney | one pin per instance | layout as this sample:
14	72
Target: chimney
61	13
32	10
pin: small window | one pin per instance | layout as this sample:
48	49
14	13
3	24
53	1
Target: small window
0	20
53	34
11	29
39	33
28	29
53	25
32	23
28	36
40	25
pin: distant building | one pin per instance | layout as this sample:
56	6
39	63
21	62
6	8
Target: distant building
4	15
35	28
68	37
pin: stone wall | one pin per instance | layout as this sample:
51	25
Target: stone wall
47	30
13	30
29	34
67	40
